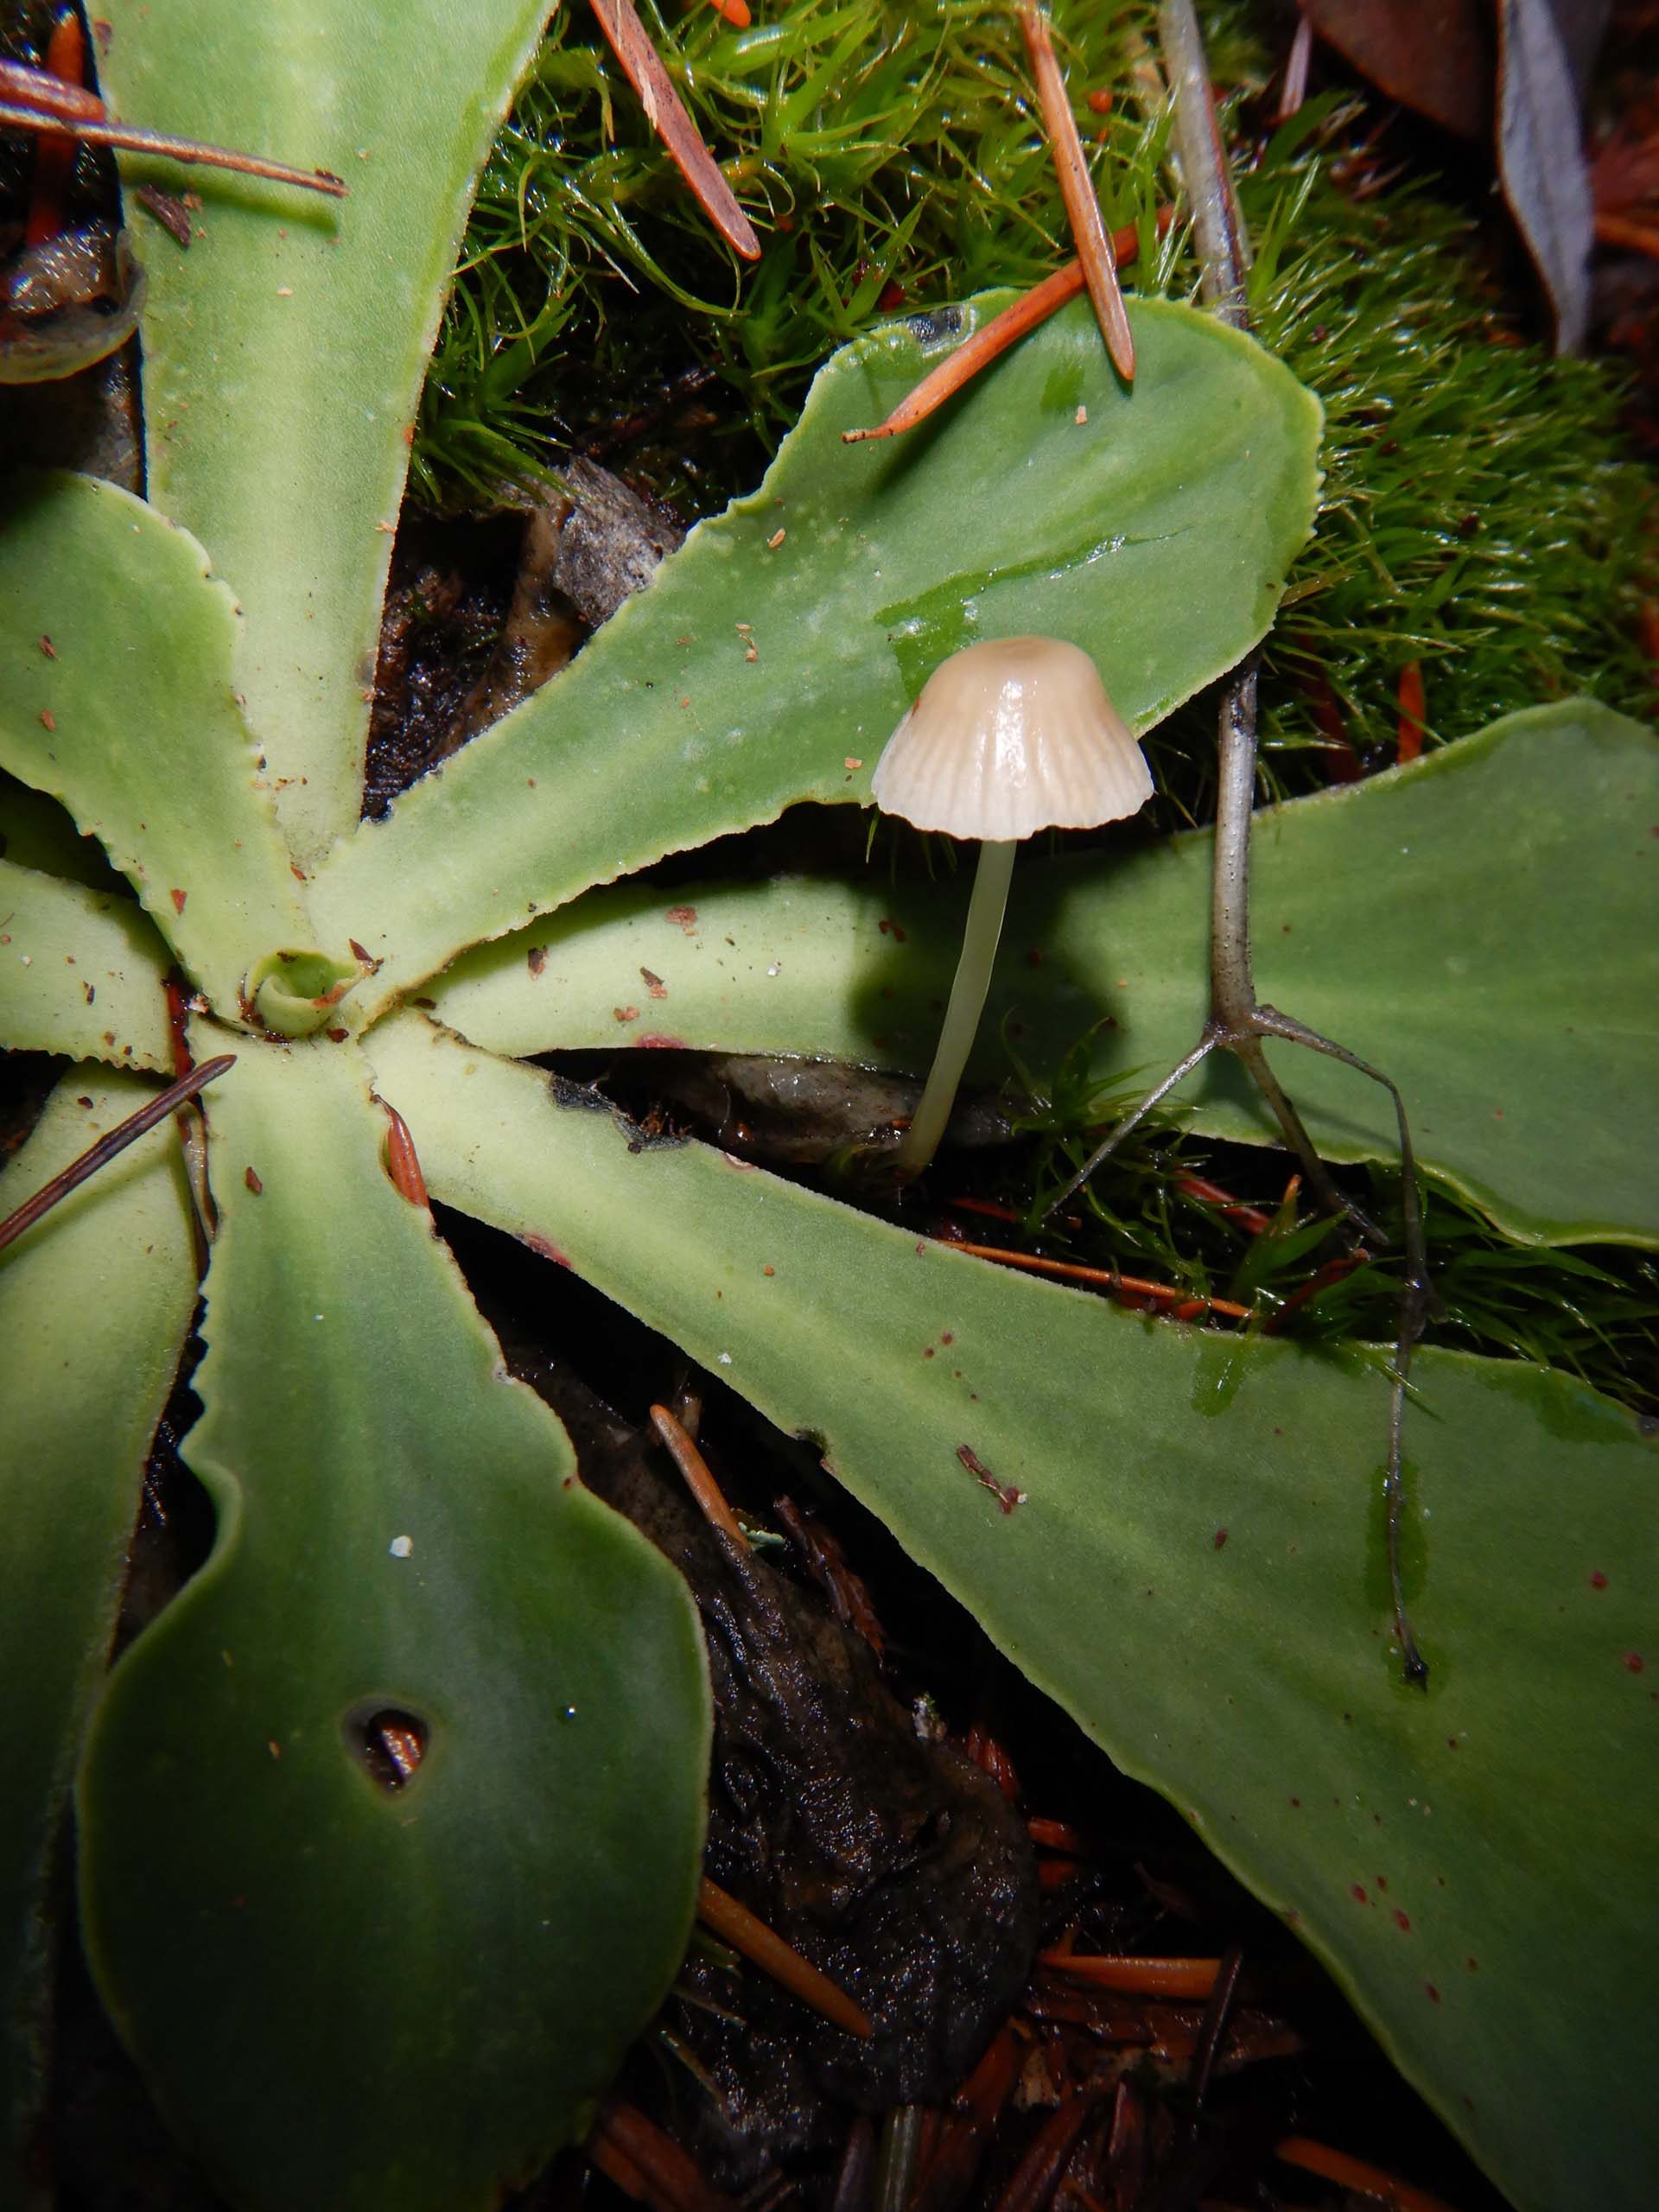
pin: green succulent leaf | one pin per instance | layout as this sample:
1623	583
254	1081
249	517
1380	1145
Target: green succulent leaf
284	353
94	1303
434	1980
36	832
81	972
1476	924
116	697
1194	1567
770	657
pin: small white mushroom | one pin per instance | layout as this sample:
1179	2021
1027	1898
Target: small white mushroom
1009	737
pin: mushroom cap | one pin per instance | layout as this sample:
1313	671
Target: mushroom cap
1009	737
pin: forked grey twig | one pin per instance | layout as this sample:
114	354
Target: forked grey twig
1237	1022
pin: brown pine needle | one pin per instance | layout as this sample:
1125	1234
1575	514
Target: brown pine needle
618	2168
1355	2174
1077	190
698	1480
1107	1279
114	1141
735	1924
666	115
1003	330
92	130
660	2171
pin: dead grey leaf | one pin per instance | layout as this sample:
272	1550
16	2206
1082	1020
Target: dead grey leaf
1540	160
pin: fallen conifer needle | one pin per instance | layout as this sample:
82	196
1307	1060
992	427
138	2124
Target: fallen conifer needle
1094	248
115	1142
665	112
1108	1278
1002	331
1356	2174
38	103
711	1499
1141	1977
738	1926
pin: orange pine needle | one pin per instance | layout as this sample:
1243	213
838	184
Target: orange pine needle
948	376
54	158
402	1164
1056	1836
738	1926
698	1480
1354	2173
1413	707
1625	230
1077	190
669	2178
618	2167
1103	1278
1141	1977
667	116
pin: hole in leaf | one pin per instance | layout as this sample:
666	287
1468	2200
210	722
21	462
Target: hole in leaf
389	1742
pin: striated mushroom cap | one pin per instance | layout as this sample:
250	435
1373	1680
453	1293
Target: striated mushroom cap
1009	737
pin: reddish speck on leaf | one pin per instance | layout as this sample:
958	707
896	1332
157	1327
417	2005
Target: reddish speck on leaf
891	296
1598	1580
624	1012
336	1036
927	1351
48	720
1297	1803
1402	1920
885	926
1219	1538
1474	1965
685	916
947	1336
403	1164
768	1271
253	1182
1634	1661
1433	1993
1382	1881
178	899
51	653
654	984
548	1249
536	959
1358	1893
654	1041
1100	102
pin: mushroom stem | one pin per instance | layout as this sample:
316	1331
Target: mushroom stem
973	979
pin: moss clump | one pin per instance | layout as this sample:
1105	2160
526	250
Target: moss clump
1480	516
